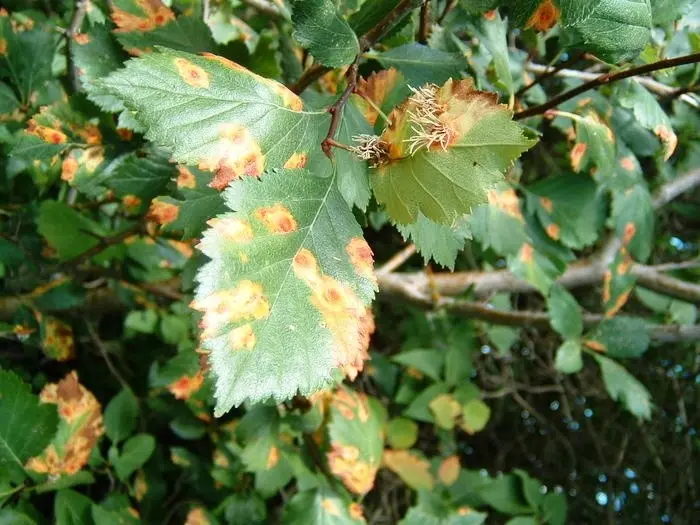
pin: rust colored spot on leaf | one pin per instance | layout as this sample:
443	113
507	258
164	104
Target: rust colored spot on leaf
45	133
490	15
409	466
90	134
448	472
58	342
162	212
553	230
242	338
628	233
344	462
607	282
577	153
232	229
235	154
125	134
69	167
273	457
361	258
277	219
507	201
464	510
246	302
375	89
197	516
627	163
367	327
356	511
297	160
131	203
595	345
186	386
351	404
82	38
547	204
185	178
544	17
153	14
618	304
3	47
193	75
668	137
526	254
330	507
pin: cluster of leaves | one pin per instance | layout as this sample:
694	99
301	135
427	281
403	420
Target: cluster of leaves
188	187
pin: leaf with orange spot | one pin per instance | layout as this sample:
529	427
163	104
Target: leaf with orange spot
322	506
449	470
57	340
144	174
375	90
633	216
235	124
79	428
594	147
445	148
410	467
290	265
618	283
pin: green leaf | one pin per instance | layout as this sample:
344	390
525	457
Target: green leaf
353	176
245	509
401	433
214	114
532	489
496	229
72	508
411	467
522	520
421	64
570	208
143	174
568	359
633	215
322	31
428	361
475	416
120	416
8	100
143	321
15	517
64	228
565	313
494	31
624	387
503	494
436	241
576	11
554	508
615	30
26	425
419	407
667	11
594	146
295	255
445	410
648	113
444	180
134	454
621	337
321	506
432	509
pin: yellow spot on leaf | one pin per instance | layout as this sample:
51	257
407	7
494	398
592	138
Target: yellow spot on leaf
242	338
234	155
197	516
344	462
595	345
193	75
507	201
153	14
45	133
3	47
297	160
246	302
140	486
628	233
277	219
232	229
162	212
273	458
668	137
376	88
356	511
547	204
58	342
82	38
351	404
185	178
131	203
69	167
330	507
186	386
464	510
449	469
361	258
576	155
526	254
628	163
553	230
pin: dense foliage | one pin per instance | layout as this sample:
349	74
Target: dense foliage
193	197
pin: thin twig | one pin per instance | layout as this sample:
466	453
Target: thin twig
424	24
266	8
398	259
448	7
336	110
548	72
607	78
74	29
102	348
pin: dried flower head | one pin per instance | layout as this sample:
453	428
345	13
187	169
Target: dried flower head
370	148
425	122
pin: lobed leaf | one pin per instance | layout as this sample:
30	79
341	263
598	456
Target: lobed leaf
624	387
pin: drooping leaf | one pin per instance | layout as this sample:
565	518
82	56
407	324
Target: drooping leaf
214	114
445	149
625	388
413	470
421	64
633	216
436	241
26	426
285	295
565	313
356	439
319	28
322	506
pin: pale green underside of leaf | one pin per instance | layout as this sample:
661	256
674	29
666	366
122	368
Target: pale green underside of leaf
444	185
294	349
320	29
190	120
26	426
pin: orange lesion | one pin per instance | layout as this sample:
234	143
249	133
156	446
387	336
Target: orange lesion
234	155
409	465
361	258
356	511
46	133
162	212
69	167
82	39
668	137
245	302
80	423
242	338
58	339
232	229
628	233
554	231
3	47
297	160
375	89
185	178
273	457
153	14
277	219
527	254
357	475
628	163
547	204
185	386
449	469
506	201
545	16
131	203
576	155
192	74
330	507
351	404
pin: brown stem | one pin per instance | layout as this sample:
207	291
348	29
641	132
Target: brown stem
102	348
74	29
424	24
607	79
547	74
448	7
336	110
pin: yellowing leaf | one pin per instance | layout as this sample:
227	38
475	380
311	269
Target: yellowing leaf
448	471
411	468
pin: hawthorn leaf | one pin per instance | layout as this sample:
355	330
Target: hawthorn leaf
620	337
569	358
401	433
667	11
494	30
136	451
436	241
565	312
320	29
322	506
356	439
120	416
633	216
26	425
594	147
353	176
427	361
421	64
143	175
648	113
576	11
615	30
495	228
411	467
475	416
285	295
215	114
68	231
445	149
72	508
625	388
8	100
618	282
433	509
534	267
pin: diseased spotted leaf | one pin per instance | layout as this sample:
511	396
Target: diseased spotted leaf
381	90
26	426
594	147
142	175
615	30
322	506
620	337
648	113
618	282
356	439
475	416
421	64
320	29
411	467
285	296
500	225
565	312
633	216
494	30
214	114
625	388
446	147
534	267
436	241
433	509
569	359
